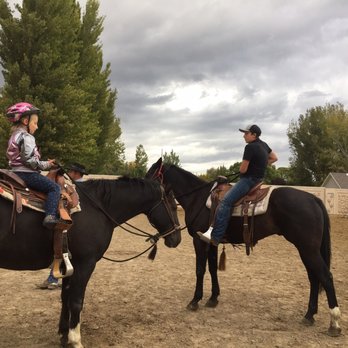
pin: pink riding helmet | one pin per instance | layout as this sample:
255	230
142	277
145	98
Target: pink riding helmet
15	112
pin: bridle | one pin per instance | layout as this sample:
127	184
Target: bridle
159	176
176	227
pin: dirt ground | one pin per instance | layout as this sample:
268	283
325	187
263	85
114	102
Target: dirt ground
142	303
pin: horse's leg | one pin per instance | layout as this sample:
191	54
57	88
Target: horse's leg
215	288
201	250
78	284
318	269
313	299
64	314
335	313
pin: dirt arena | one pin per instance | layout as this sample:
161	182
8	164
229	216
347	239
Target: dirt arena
143	303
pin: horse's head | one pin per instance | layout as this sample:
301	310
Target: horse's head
163	216
157	171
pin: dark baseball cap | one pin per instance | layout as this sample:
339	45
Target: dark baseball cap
252	128
77	167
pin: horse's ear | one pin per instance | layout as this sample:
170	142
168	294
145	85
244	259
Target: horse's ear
159	162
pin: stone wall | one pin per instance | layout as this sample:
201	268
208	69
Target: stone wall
335	200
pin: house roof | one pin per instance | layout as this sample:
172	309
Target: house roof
341	179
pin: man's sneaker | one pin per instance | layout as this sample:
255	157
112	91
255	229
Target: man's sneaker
206	236
53	285
49	284
50	221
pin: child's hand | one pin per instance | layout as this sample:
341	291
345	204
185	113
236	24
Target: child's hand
52	162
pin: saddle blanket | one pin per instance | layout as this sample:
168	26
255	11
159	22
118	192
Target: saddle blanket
259	209
37	205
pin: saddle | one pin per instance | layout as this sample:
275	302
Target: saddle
13	188
244	207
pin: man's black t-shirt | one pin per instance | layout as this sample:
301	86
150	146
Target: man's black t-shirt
257	154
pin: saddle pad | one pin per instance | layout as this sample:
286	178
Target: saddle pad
34	205
260	207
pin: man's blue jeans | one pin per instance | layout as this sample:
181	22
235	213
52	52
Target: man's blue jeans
224	209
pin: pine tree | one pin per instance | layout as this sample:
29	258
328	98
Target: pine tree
95	81
53	59
39	54
141	160
171	158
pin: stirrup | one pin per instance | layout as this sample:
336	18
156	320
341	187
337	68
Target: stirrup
206	236
62	267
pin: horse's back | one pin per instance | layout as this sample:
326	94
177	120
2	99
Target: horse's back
298	214
293	198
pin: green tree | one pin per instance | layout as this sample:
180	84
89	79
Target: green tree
233	171
42	70
128	169
141	161
95	81
4	134
212	173
171	158
318	147
282	176
338	132
58	67
272	174
138	167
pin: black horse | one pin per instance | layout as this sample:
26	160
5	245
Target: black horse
300	217
104	204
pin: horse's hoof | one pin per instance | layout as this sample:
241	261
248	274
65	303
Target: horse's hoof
308	321
192	306
334	331
212	303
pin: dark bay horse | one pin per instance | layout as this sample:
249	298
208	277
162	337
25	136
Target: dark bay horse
300	217
104	204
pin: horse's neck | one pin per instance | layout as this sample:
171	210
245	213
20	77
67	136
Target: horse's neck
188	188
118	202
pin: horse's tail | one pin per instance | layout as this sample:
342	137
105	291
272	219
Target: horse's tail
325	248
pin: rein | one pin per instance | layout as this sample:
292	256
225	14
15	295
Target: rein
150	237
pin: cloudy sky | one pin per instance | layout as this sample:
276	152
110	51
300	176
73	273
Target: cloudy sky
190	73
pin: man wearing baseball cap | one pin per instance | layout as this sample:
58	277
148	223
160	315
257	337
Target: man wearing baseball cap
257	155
76	171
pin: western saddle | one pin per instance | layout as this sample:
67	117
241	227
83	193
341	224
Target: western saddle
15	186
255	195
